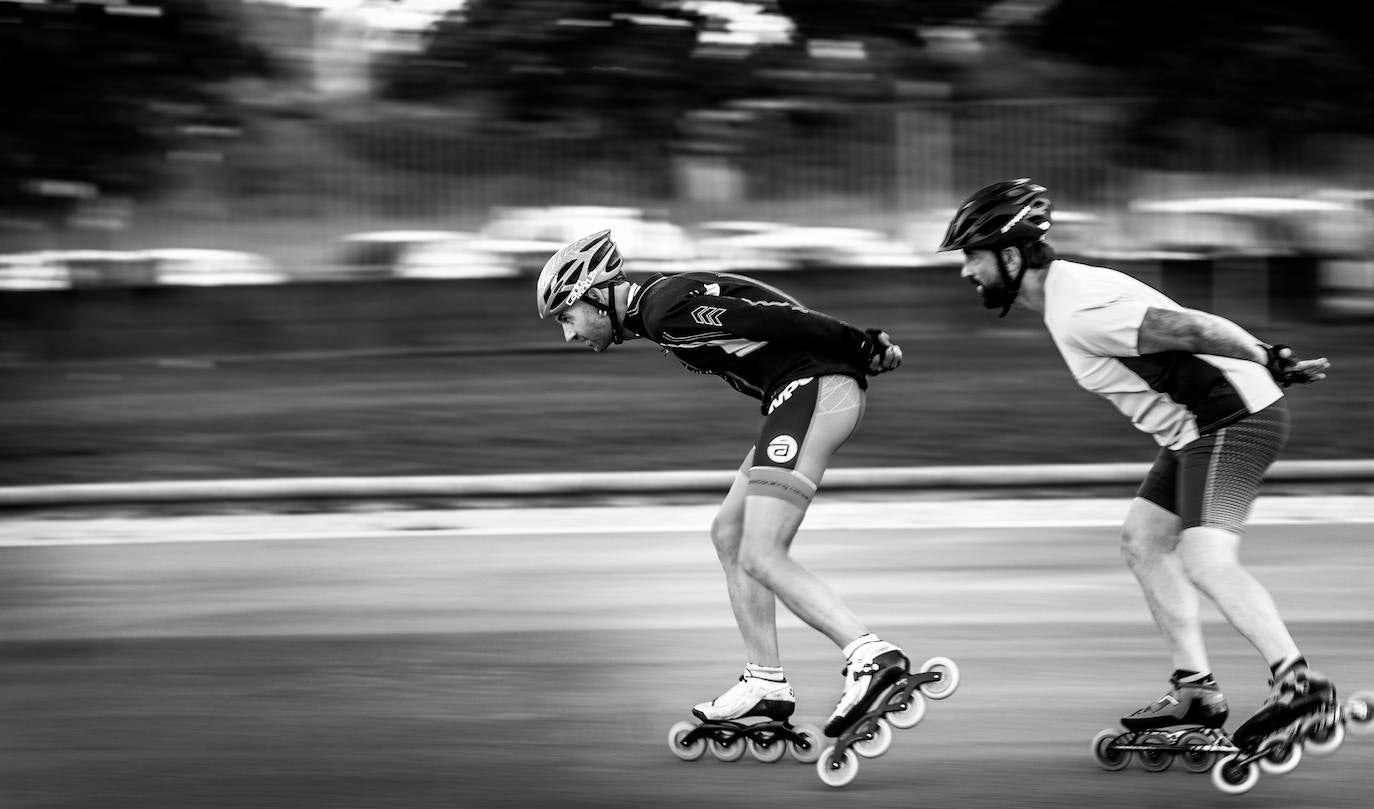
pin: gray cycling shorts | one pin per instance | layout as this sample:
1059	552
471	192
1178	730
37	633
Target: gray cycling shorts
1214	480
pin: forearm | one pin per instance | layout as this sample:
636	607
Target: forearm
1220	337
1197	333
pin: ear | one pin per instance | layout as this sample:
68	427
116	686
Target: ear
1011	258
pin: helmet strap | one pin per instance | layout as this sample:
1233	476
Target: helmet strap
1012	285
609	309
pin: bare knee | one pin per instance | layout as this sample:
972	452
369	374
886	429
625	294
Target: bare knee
726	535
1211	556
760	563
1210	565
1149	535
1138	547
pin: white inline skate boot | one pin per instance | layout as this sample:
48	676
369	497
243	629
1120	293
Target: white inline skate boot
874	665
751	716
880	694
751	696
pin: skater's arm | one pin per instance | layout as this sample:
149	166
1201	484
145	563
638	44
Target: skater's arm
787	323
1204	333
1197	333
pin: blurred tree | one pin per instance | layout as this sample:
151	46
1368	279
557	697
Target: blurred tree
1274	68
589	65
893	19
637	66
97	95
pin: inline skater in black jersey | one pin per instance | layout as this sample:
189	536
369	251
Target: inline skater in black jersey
809	372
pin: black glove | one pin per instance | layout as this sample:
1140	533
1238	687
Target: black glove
1280	363
876	344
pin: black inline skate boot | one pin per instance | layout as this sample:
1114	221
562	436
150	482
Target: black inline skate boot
1186	703
1184	724
1295	693
1300	714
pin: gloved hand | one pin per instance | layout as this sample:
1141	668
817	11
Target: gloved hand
1287	370
883	354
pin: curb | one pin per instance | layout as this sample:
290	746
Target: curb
546	485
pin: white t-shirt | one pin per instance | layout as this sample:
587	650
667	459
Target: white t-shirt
1094	316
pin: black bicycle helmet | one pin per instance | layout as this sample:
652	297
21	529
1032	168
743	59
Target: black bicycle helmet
1001	214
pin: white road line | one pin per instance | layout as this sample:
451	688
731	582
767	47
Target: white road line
831	515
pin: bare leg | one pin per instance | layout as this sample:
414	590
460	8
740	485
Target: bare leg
754	605
1150	545
769	527
1212	558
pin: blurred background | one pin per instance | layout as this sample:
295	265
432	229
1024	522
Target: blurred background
298	237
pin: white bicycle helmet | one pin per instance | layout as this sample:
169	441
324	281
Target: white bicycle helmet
590	262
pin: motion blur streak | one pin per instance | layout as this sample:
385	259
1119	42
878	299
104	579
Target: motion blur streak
544	669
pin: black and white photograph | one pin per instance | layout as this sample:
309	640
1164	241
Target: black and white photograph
610	404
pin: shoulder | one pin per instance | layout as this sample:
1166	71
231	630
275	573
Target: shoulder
1073	287
660	296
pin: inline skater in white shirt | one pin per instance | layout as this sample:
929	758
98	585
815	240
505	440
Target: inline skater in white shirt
1211	396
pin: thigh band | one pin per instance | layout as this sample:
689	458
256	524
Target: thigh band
784	484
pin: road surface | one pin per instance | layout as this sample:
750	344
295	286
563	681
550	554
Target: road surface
537	657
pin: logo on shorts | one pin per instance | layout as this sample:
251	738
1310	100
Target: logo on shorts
786	393
782	449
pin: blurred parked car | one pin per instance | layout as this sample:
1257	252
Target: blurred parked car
757	246
420	254
1250	224
460	256
64	269
1332	230
32	271
200	267
376	254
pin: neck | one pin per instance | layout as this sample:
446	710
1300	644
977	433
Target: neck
620	299
1032	294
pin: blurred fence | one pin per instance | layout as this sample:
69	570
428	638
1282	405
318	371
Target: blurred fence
924	155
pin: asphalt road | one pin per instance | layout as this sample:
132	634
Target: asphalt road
447	665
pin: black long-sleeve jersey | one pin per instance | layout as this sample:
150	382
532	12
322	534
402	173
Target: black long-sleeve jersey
756	337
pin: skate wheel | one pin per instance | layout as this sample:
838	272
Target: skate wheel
1155	760
1359	713
839	772
949	677
1325	738
809	749
685	750
911	715
732	750
1282	758
767	752
1196	760
1106	754
1234	778
877	742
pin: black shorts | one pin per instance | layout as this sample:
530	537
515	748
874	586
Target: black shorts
1214	480
808	420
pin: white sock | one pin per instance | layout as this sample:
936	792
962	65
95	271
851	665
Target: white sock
771	673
